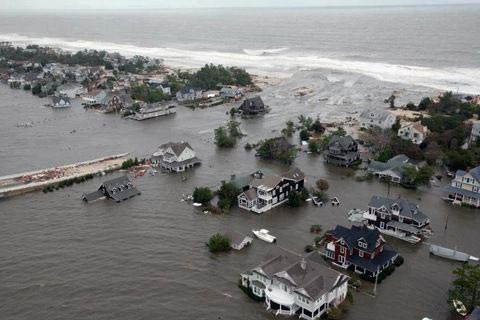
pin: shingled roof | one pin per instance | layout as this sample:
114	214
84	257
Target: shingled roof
354	234
407	208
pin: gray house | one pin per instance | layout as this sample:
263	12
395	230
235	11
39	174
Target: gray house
342	151
253	107
118	189
60	102
189	93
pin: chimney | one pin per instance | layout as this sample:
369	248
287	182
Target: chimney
303	264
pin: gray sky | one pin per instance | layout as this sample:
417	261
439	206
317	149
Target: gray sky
21	5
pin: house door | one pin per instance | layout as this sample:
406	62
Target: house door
382	225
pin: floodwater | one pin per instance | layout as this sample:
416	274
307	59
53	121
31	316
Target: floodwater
146	258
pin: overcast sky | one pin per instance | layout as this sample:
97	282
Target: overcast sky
21	5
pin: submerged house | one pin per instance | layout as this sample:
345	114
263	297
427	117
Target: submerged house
342	151
359	248
266	191
399	218
118	190
61	102
153	110
71	90
465	188
393	170
233	93
238	240
175	157
292	284
253	107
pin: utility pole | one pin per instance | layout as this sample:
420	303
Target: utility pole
376	281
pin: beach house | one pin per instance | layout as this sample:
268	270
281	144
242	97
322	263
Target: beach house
360	249
118	189
342	151
175	157
414	132
253	107
292	284
465	188
377	118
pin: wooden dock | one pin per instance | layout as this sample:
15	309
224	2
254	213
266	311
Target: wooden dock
21	183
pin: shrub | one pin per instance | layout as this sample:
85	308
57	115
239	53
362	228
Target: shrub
334	314
322	184
294	199
304	135
202	195
315	228
399	261
218	243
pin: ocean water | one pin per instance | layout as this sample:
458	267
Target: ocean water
433	46
145	258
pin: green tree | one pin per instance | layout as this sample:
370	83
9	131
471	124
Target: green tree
414	177
218	243
294	199
466	286
322	184
315	146
37	89
304	135
396	126
223	139
391	101
289	129
202	195
227	194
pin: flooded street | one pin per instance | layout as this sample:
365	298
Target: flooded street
146	258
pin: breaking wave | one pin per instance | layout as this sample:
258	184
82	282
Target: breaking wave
280	62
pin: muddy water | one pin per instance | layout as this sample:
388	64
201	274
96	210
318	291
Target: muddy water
145	258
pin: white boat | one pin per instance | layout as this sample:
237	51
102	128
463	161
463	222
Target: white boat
335	201
196	204
264	235
460	307
451	254
356	215
400	235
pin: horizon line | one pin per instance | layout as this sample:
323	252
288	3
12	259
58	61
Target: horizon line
368	6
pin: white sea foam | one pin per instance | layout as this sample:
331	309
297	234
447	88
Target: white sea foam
264	52
280	62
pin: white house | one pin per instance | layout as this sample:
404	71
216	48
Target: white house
175	157
475	134
71	90
266	191
377	118
293	284
95	97
465	188
413	131
238	240
188	93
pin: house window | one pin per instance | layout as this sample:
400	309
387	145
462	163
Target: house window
360	253
475	189
400	219
341	259
330	254
342	249
382	215
382	225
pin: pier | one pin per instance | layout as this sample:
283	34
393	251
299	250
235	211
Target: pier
17	184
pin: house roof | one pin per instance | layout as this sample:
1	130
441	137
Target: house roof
57	100
374	264
253	103
294	174
92	196
343	142
355	233
188	89
395	164
120	188
407	208
177	147
378	114
308	274
236	238
267	180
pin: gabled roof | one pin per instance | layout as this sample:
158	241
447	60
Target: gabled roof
308	274
342	142
120	188
57	100
253	103
408	209
354	234
395	164
188	89
177	147
294	174
268	181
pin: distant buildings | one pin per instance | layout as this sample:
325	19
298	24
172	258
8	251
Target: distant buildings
359	248
342	151
266	191
253	107
475	134
414	132
118	189
175	157
292	284
189	93
377	118
465	188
